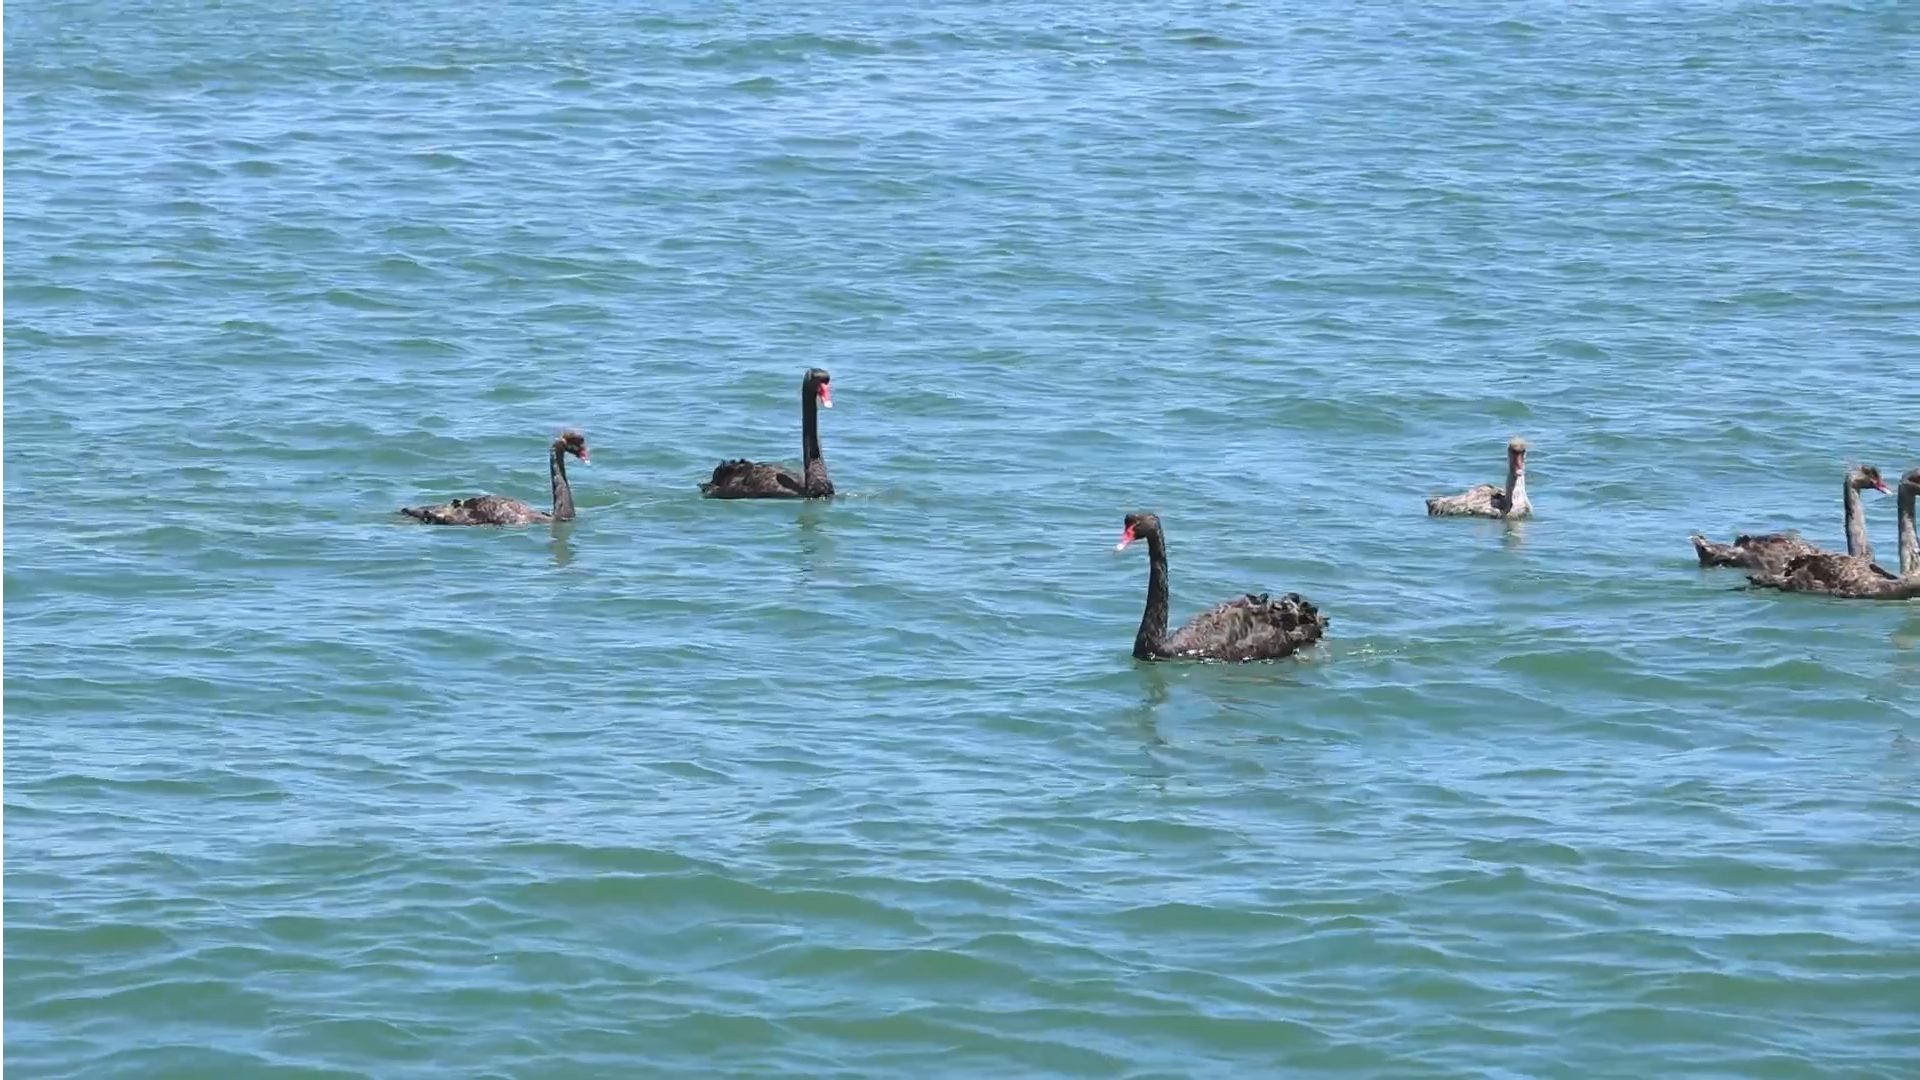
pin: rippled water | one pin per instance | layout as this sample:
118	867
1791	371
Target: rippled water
874	788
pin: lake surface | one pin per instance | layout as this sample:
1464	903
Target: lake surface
874	788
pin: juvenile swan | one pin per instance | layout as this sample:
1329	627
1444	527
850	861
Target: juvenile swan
1487	500
1770	552
1852	577
495	510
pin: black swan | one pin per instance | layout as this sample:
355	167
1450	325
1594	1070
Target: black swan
1487	500
1770	553
495	510
1250	628
1853	577
757	480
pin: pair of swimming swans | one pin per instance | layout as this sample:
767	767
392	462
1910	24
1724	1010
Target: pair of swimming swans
1786	562
731	480
1257	627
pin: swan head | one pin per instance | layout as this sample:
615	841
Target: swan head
819	384
1911	481
1142	525
572	442
1863	477
1517	453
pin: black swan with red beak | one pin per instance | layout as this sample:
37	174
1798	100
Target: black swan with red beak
745	479
1253	627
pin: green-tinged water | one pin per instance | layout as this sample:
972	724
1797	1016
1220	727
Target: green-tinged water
873	788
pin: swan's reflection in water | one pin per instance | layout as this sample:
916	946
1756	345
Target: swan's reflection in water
816	543
1906	637
1235	690
1514	536
1138	719
560	542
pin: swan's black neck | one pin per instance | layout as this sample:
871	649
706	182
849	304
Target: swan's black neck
813	465
1909	542
1856	524
809	424
1153	622
562	491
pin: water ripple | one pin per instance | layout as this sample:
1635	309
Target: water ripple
295	788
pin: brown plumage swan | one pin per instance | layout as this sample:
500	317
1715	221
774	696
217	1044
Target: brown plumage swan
757	480
1770	553
1250	628
1487	500
1909	539
1850	577
495	510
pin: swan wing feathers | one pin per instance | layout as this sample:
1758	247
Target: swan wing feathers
1254	627
1484	500
1826	572
1768	552
744	479
479	510
817	483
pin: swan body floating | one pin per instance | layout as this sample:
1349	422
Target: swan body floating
1485	500
1769	553
745	479
496	510
1254	627
1856	577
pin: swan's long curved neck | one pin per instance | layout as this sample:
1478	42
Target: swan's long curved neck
1909	543
1856	523
562	491
813	466
1516	484
809	427
1153	622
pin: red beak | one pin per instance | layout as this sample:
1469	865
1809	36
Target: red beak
583	455
826	395
1126	537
